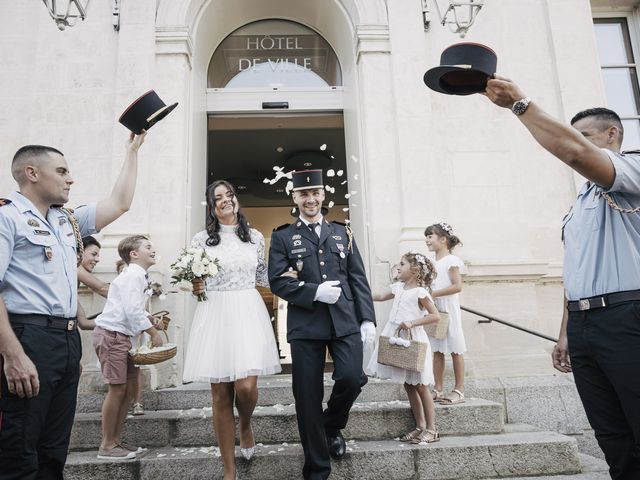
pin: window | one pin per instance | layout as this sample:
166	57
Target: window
620	74
274	54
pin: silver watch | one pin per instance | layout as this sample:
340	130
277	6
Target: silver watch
519	107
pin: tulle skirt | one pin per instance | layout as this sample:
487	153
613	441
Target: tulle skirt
231	338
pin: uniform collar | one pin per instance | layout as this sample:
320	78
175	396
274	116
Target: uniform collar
320	220
23	204
134	267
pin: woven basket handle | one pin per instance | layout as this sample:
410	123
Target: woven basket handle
398	330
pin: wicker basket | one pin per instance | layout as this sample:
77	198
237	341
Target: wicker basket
410	358
154	357
439	329
164	316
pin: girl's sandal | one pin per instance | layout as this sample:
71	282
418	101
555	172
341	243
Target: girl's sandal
427	436
437	395
410	436
456	396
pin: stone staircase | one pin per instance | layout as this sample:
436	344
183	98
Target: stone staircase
476	443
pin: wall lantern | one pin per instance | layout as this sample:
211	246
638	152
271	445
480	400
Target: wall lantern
66	12
458	15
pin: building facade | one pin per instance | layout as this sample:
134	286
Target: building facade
349	71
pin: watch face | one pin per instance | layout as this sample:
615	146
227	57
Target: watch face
520	107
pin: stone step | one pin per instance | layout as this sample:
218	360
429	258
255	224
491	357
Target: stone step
272	390
592	469
277	423
516	452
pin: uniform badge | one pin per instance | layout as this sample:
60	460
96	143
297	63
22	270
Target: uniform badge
32	222
299	265
48	253
336	237
42	232
296	237
62	221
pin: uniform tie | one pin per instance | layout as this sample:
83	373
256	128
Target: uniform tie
312	227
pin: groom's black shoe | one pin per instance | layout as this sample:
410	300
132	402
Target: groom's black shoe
337	445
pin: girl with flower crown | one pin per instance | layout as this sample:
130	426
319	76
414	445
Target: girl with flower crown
441	240
412	308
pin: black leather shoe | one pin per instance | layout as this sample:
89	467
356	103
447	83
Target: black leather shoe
337	445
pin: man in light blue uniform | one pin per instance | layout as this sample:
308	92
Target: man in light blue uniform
601	233
39	342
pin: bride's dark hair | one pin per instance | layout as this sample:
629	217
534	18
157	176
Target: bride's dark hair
213	223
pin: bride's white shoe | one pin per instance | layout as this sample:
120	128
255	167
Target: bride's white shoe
247	453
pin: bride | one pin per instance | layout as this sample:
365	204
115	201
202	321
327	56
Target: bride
231	340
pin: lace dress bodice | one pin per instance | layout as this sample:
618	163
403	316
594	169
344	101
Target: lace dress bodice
243	264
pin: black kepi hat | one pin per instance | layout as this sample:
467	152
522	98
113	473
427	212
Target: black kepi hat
464	69
145	112
306	179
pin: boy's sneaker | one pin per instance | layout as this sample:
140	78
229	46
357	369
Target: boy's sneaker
138	409
116	453
131	448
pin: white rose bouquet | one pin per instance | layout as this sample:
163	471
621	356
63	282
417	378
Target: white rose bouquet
193	263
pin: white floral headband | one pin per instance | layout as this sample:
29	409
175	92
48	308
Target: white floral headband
446	227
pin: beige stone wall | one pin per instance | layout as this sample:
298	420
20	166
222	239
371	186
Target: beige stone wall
424	157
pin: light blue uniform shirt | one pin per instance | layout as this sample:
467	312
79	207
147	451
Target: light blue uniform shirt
602	245
38	263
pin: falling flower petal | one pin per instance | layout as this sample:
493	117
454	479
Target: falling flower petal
323	147
266	180
339	173
346	209
347	195
288	187
331	173
354	158
203	203
331	204
342	183
354	192
355	176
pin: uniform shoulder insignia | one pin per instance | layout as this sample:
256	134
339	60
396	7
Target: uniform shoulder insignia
281	227
4	201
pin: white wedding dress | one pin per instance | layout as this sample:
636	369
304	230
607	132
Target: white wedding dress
231	335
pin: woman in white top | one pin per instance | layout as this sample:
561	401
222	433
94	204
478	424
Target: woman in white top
231	340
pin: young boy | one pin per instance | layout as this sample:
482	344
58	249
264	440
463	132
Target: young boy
123	317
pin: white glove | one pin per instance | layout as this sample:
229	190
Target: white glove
327	292
367	331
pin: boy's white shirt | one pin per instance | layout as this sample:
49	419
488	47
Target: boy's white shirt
125	311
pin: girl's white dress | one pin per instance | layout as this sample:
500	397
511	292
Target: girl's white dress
405	308
454	342
231	335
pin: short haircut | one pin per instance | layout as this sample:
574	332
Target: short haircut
120	265
128	245
26	154
89	240
606	118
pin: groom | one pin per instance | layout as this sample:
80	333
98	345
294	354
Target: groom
329	306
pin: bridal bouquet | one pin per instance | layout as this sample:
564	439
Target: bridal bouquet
193	263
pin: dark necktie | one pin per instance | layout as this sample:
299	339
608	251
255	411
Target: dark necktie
312	227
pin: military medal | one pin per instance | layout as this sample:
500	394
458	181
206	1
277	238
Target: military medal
299	265
48	253
341	248
32	222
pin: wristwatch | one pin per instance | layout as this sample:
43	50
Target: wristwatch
521	106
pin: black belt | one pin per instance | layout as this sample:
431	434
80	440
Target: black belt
602	301
51	321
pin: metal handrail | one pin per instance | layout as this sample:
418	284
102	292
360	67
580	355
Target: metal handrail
508	324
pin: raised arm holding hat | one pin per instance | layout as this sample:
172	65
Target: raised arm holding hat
39	340
330	306
601	235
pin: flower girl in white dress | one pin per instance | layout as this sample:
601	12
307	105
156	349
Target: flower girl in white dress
412	308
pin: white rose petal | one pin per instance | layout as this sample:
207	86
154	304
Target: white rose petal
198	269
